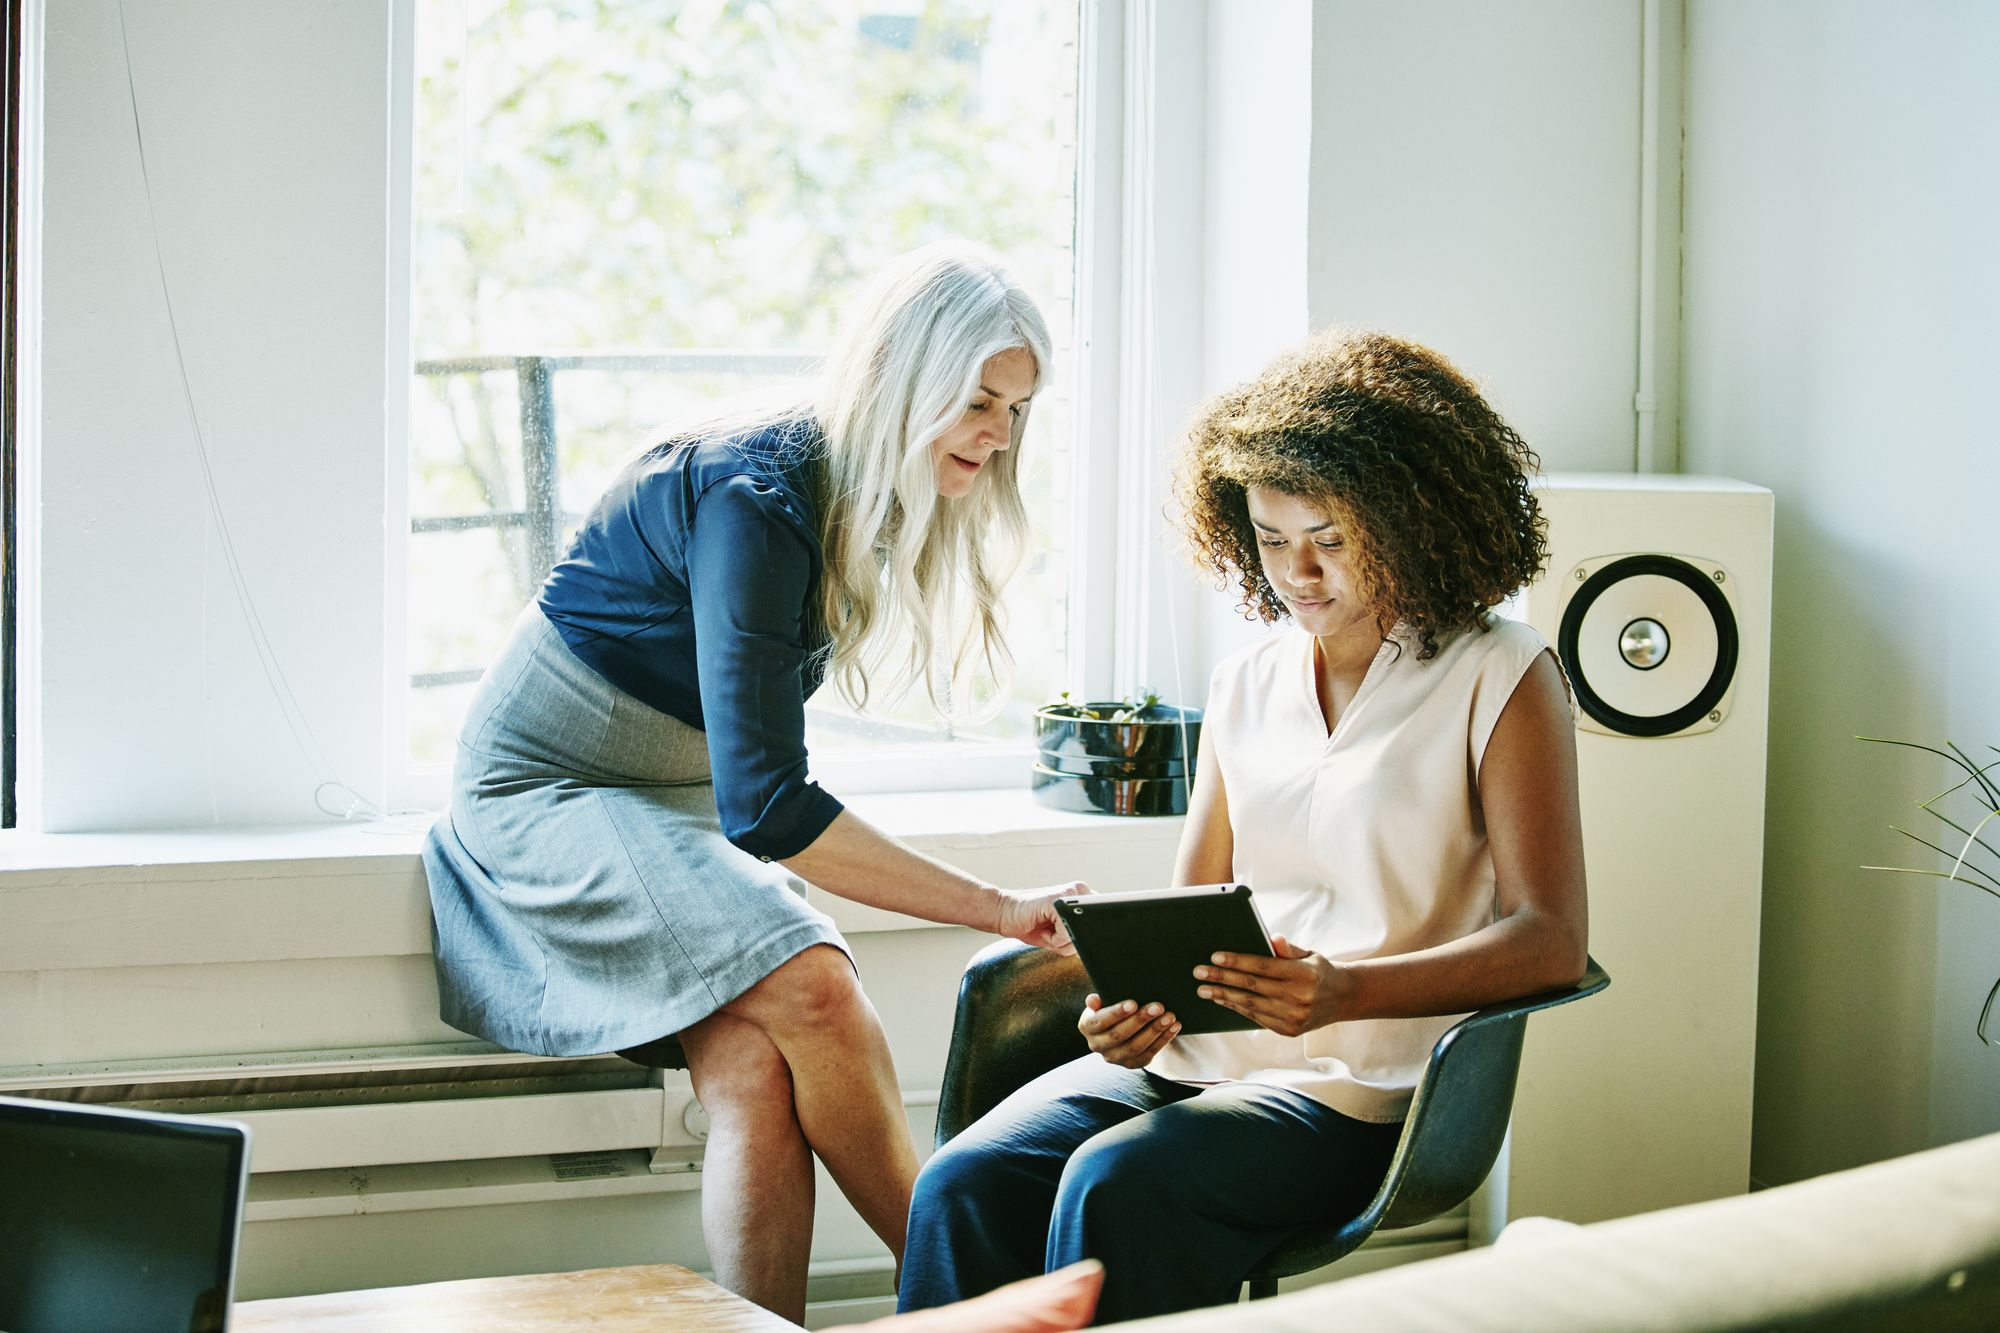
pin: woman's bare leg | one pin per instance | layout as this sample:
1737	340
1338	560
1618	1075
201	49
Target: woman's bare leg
843	1082
757	1172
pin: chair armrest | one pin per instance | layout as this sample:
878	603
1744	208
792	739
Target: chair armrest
1593	980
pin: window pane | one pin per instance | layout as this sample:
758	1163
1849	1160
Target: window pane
666	203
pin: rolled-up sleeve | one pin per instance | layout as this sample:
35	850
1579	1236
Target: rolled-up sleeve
750	571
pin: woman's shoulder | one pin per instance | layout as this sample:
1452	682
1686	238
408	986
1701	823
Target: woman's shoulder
1497	640
1508	635
1484	664
774	451
766	467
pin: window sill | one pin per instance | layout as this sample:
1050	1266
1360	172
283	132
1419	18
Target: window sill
187	896
929	820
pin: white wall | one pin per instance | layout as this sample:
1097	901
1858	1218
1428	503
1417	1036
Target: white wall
1841	289
1259	67
1476	186
1258	64
266	135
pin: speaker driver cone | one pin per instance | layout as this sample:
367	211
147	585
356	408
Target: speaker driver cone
1650	645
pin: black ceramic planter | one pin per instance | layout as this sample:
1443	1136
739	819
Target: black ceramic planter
1116	768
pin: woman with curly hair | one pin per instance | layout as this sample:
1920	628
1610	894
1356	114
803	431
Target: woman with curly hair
1393	772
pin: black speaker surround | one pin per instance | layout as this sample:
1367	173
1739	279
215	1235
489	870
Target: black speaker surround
1688	712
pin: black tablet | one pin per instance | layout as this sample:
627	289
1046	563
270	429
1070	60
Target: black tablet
1146	946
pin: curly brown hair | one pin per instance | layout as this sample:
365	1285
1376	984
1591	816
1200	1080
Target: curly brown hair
1430	484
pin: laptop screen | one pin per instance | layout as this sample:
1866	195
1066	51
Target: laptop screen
116	1219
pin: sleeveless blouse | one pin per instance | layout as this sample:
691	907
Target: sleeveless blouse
1364	843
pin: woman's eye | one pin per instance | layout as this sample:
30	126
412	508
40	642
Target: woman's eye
1273	542
1330	546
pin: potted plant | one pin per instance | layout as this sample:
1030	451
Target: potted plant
1117	757
1966	807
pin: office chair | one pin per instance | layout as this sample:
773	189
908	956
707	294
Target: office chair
1017	1012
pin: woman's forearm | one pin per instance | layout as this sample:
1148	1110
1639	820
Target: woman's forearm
1521	954
856	860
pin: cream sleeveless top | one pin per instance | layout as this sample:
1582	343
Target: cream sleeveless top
1359	844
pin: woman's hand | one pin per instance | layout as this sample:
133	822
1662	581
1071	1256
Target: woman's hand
1126	1034
1290	994
1030	915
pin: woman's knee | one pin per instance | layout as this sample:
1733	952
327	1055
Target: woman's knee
965	1178
1120	1171
737	1068
814	989
953	1169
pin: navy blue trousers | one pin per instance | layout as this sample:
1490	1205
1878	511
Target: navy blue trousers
1178	1190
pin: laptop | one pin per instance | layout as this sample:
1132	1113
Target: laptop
114	1219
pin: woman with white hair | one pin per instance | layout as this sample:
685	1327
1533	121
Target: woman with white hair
632	822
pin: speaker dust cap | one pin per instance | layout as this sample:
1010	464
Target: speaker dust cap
1650	643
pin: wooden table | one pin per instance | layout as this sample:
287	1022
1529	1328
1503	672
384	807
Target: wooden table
659	1298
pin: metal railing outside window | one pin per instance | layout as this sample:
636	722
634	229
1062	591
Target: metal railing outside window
542	520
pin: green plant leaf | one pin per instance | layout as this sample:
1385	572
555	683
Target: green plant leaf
1933	874
1927	749
1985	783
1970	839
1961	785
1981	871
1957	827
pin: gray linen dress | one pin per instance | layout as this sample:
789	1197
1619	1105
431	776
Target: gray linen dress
587	891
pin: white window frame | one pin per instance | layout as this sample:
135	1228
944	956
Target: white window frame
27	427
409	786
1138	288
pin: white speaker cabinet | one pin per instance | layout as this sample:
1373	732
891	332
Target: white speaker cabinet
1657	597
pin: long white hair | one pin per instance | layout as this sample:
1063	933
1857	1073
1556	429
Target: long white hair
911	591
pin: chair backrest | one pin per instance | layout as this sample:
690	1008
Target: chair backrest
1017	1012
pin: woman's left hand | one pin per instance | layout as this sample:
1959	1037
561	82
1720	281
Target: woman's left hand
1290	994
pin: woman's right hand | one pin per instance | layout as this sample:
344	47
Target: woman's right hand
1126	1033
